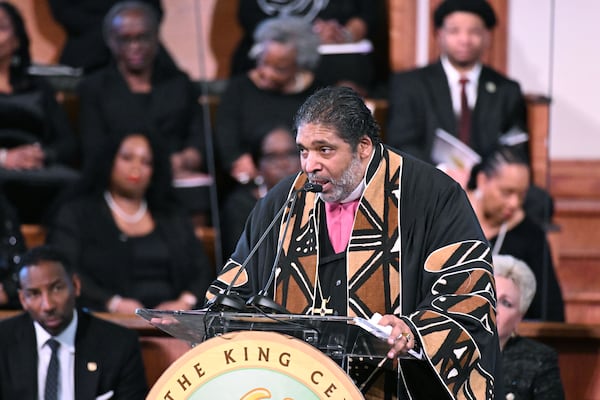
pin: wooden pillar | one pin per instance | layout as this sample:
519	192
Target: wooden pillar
402	16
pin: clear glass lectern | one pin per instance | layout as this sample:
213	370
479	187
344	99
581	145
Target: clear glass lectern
338	337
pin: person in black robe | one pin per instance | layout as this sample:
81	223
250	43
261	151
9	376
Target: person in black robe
386	234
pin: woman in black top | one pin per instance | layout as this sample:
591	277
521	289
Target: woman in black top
131	243
496	191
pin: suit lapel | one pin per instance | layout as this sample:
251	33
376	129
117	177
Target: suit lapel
24	359
486	90
485	109
87	368
441	100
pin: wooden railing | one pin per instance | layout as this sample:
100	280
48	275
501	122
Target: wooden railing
575	186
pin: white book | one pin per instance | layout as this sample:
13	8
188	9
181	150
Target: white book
452	153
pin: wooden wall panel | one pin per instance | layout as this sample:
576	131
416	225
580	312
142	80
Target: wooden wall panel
538	119
402	18
159	353
576	179
575	186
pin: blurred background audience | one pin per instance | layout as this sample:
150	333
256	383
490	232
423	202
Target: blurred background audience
85	47
269	93
12	246
336	22
458	93
276	157
139	91
497	190
129	238
37	145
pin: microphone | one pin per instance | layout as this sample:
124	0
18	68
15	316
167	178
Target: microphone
261	299
228	300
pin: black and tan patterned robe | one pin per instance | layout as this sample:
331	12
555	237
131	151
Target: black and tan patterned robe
416	250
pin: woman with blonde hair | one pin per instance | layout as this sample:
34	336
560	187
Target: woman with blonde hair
530	369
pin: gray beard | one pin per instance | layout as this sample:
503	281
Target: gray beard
346	184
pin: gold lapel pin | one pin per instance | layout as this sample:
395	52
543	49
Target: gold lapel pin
92	366
490	87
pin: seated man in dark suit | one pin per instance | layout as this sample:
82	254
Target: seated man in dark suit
431	98
56	348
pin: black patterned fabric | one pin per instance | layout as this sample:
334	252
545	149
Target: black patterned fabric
530	371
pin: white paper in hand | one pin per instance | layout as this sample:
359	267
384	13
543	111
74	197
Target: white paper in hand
372	326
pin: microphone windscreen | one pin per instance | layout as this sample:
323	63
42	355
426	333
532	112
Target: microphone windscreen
312	187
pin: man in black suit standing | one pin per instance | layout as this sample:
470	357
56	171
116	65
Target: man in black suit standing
457	93
54	351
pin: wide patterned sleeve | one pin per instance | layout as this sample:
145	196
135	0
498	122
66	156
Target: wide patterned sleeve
454	315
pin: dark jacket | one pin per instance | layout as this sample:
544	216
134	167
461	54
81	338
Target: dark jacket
108	109
420	103
85	230
531	370
114	349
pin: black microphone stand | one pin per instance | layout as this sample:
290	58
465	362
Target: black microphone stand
228	300
261	299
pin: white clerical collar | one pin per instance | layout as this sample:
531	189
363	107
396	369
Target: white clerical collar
453	75
356	193
66	337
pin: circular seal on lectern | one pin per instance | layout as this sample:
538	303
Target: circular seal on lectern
252	365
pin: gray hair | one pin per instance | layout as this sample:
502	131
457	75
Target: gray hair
520	274
341	109
294	31
149	12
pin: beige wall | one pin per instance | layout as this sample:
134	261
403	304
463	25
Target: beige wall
556	54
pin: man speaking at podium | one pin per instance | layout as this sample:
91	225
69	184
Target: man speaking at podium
385	234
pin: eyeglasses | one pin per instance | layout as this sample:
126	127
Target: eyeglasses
142	39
